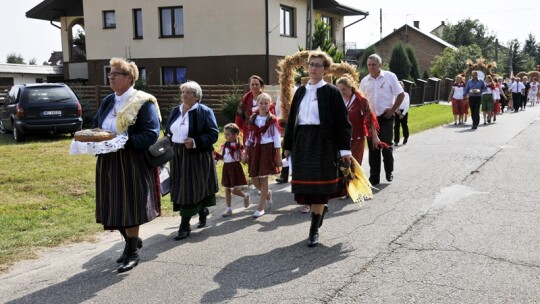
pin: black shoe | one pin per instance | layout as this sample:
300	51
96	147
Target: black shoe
282	180
374	181
325	211
132	256
184	230
124	253
314	230
389	176
405	141
202	217
473	127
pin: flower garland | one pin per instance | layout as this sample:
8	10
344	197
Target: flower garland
286	72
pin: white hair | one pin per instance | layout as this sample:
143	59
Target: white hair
194	87
376	57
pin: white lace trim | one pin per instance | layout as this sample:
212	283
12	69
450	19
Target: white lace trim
102	147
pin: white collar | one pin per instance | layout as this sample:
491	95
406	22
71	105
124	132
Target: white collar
193	107
125	96
381	74
315	86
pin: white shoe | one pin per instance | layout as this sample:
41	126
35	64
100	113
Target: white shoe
227	213
270	201
305	208
258	213
246	200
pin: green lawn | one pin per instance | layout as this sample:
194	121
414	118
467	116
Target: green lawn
47	196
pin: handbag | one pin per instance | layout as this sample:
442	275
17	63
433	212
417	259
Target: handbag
160	152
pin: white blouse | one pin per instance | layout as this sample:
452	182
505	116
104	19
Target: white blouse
109	123
266	138
227	157
180	127
308	112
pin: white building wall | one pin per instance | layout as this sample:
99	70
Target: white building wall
24	78
211	28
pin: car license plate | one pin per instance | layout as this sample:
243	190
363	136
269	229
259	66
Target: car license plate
49	113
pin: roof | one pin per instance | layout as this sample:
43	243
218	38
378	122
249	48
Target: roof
429	35
52	10
30	69
336	8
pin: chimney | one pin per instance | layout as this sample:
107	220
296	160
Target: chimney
442	23
416	24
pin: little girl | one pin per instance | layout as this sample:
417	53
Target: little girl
263	149
233	176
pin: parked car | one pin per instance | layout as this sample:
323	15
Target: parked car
40	107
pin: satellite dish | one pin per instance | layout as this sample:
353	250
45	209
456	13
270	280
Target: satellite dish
481	75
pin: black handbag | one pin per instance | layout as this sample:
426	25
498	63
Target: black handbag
160	152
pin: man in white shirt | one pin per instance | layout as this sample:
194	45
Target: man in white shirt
401	119
381	88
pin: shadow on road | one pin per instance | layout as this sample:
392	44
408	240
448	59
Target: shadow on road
275	267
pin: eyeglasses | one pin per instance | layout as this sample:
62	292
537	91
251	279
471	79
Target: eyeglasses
315	65
114	74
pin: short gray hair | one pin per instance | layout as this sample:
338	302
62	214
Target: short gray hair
194	87
376	57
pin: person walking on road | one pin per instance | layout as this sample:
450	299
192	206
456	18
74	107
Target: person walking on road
385	94
473	91
401	119
517	88
318	134
458	101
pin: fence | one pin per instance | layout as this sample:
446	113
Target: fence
427	91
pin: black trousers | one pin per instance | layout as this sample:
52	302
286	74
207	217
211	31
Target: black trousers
474	105
403	122
516	100
385	135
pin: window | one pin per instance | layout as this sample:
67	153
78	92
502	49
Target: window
142	76
109	19
6	81
328	21
137	24
173	75
286	21
39	80
172	21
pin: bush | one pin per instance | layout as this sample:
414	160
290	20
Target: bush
230	102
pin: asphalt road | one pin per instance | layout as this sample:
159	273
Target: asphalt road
459	224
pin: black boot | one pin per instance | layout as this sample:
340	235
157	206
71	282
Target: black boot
325	211
284	177
314	229
123	256
203	213
184	230
132	256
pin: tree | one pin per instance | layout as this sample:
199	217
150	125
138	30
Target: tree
14	58
468	32
399	62
411	54
32	61
321	39
453	62
531	48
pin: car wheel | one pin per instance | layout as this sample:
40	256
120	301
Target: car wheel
18	136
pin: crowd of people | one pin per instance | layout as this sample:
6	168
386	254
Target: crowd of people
492	95
328	125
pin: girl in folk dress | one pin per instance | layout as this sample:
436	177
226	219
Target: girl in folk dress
263	150
233	176
487	99
497	94
458	101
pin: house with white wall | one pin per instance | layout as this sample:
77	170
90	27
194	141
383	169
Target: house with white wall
209	41
11	74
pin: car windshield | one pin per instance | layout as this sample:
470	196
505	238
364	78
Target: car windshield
47	94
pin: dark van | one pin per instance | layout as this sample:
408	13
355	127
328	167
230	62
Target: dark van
40	107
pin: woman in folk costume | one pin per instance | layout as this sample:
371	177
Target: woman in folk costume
193	130
498	94
262	150
127	188
248	104
363	119
487	99
459	103
318	134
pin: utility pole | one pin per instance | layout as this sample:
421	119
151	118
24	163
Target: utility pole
380	22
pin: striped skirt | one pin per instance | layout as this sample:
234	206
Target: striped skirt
127	190
193	180
314	163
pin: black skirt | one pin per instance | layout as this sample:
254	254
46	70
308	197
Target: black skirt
315	162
